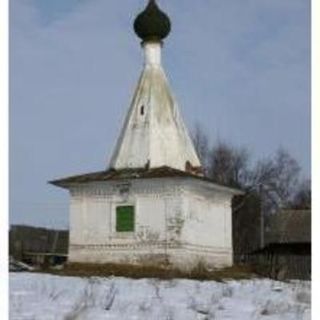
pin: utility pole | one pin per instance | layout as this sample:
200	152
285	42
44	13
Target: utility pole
261	218
55	241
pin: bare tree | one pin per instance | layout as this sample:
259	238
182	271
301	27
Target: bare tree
228	165
201	143
276	179
302	198
245	224
269	184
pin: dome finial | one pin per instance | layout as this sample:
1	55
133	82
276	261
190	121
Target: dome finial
152	24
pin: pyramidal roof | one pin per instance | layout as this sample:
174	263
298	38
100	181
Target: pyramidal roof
153	134
154	142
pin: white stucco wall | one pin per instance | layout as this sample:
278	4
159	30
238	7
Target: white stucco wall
208	224
184	220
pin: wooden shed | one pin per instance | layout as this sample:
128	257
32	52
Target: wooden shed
287	253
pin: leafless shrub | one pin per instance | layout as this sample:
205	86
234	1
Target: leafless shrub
227	292
110	297
156	286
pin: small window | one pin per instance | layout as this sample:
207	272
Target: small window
125	219
142	110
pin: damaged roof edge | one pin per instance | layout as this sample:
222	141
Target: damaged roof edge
138	173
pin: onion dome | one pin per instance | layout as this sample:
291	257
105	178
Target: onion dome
152	24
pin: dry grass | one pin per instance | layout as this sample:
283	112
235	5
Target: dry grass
141	271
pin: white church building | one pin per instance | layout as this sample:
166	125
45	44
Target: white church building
152	205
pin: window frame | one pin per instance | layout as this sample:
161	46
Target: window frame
118	206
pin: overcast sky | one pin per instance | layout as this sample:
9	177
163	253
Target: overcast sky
241	69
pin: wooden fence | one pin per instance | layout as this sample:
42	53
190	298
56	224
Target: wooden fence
280	261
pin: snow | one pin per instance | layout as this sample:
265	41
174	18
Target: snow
47	297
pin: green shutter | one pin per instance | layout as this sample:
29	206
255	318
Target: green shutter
125	219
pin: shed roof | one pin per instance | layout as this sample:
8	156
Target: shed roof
137	173
290	226
36	239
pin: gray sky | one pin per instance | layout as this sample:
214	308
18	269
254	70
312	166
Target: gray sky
241	69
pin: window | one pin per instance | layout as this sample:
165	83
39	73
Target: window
125	219
142	110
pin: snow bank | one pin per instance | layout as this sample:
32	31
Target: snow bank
47	297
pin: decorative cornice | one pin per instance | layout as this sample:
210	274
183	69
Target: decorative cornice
183	246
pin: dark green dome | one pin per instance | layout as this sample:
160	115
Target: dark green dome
152	23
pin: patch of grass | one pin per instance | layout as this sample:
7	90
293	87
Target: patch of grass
143	271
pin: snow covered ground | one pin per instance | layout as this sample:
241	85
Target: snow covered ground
47	297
